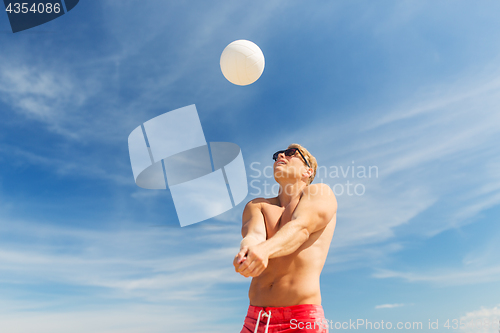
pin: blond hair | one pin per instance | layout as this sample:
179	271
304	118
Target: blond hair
310	159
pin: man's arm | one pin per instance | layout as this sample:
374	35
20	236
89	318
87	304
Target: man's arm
315	210
253	229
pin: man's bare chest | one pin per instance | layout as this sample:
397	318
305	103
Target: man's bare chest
276	217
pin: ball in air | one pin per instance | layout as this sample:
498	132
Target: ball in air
242	62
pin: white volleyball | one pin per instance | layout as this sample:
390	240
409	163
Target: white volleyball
242	62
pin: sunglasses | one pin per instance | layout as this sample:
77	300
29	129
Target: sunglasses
290	152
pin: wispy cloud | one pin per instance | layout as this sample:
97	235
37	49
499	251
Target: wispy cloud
479	265
37	92
111	273
417	148
389	306
105	96
435	149
447	277
74	166
147	263
121	319
45	92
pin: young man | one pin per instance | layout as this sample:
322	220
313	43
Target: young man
284	247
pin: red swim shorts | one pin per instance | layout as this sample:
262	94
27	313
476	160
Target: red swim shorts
304	318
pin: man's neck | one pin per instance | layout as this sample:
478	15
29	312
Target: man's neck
289	192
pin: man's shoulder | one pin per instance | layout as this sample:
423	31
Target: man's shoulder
319	197
262	201
318	191
318	201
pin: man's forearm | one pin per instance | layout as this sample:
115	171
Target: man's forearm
286	241
249	240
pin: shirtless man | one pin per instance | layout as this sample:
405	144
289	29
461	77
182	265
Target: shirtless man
284	247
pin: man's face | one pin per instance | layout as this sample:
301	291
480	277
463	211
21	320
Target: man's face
289	166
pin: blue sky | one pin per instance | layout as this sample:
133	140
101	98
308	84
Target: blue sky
409	87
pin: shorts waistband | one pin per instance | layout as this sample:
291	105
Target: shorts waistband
287	313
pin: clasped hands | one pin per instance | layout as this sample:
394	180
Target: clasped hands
251	260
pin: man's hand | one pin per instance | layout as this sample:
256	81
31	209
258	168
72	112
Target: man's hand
240	257
251	261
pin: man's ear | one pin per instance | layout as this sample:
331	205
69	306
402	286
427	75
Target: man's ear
308	173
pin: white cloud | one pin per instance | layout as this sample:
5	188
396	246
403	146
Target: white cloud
484	320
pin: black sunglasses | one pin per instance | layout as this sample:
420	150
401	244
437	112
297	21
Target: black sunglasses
290	152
